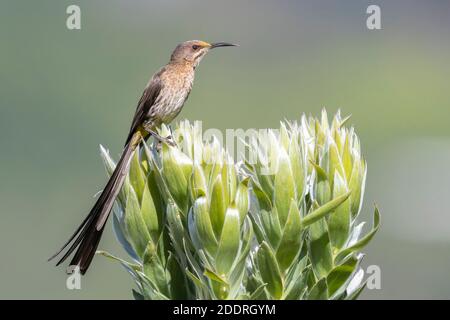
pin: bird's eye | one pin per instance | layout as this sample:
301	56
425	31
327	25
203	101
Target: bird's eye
195	47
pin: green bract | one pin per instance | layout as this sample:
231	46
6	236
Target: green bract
279	225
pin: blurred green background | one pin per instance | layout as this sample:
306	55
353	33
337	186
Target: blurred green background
63	92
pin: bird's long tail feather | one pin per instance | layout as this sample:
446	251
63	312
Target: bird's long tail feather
87	236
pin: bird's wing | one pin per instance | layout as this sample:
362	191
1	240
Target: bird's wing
149	97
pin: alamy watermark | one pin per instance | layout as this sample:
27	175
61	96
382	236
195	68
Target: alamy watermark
73	281
249	145
373	21
73	21
374	277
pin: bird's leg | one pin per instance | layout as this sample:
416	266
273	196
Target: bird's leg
167	140
158	137
171	135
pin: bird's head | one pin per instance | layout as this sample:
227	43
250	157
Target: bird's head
194	50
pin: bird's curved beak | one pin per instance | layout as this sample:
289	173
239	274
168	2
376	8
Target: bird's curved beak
222	44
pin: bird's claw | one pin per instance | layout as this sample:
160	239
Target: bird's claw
169	140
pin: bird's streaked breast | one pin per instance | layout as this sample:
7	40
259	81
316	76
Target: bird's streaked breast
178	83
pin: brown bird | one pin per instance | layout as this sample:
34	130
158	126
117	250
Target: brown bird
162	100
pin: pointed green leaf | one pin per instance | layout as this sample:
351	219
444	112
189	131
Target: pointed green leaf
355	294
339	220
177	169
229	181
263	200
335	163
297	286
270	272
347	159
321	174
271	226
154	270
155	193
229	241
319	291
132	266
357	183
198	283
284	136
242	199
284	187
298	167
258	293
320	137
362	242
175	228
122	236
135	225
320	249
323	187
337	138
324	120
149	214
323	191
324	210
198	183
214	276
340	275
344	121
217	205
291	239
203	225
178	289
137	176
137	295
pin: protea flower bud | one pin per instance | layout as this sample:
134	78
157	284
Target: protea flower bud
199	225
308	182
